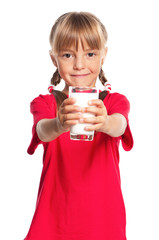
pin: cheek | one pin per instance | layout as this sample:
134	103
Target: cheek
96	67
63	69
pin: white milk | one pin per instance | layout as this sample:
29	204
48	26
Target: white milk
82	101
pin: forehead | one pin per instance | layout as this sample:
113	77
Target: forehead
77	46
76	39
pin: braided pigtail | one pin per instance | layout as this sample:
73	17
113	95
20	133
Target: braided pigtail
56	78
102	77
103	80
59	96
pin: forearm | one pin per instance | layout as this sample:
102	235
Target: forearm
115	125
48	129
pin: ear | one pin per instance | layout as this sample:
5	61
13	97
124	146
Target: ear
104	54
53	58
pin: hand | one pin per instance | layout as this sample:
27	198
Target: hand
101	117
69	114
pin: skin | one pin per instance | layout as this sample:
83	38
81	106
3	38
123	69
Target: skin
80	68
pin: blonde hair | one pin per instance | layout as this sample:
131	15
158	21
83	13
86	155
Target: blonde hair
72	26
68	29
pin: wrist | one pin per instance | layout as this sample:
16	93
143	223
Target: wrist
59	128
106	128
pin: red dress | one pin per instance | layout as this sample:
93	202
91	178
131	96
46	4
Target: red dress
79	194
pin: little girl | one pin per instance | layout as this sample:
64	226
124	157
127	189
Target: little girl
79	195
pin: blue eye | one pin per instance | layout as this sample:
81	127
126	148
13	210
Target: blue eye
91	54
67	55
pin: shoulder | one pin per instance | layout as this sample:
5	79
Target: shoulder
115	102
43	102
47	99
114	98
44	98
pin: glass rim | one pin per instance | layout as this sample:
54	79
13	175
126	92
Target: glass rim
81	87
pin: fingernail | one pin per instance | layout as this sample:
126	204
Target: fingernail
81	120
90	102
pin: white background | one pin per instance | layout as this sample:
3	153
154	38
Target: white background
131	67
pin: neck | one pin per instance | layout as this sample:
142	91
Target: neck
66	90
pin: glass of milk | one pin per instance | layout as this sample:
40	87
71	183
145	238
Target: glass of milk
82	95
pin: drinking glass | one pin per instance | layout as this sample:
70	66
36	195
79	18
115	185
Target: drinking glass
82	95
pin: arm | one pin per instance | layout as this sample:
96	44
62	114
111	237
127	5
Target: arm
48	129
113	125
68	115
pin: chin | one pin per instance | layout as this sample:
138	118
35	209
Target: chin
83	84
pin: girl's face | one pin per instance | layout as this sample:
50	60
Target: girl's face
79	67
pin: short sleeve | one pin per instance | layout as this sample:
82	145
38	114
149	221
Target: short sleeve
44	106
118	103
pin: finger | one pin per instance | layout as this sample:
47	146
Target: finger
70	123
70	108
66	118
96	102
92	120
94	127
67	124
95	110
68	101
72	116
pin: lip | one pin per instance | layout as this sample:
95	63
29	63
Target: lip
80	75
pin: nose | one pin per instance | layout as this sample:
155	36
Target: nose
79	63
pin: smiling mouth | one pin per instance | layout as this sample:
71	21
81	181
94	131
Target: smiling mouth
79	75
